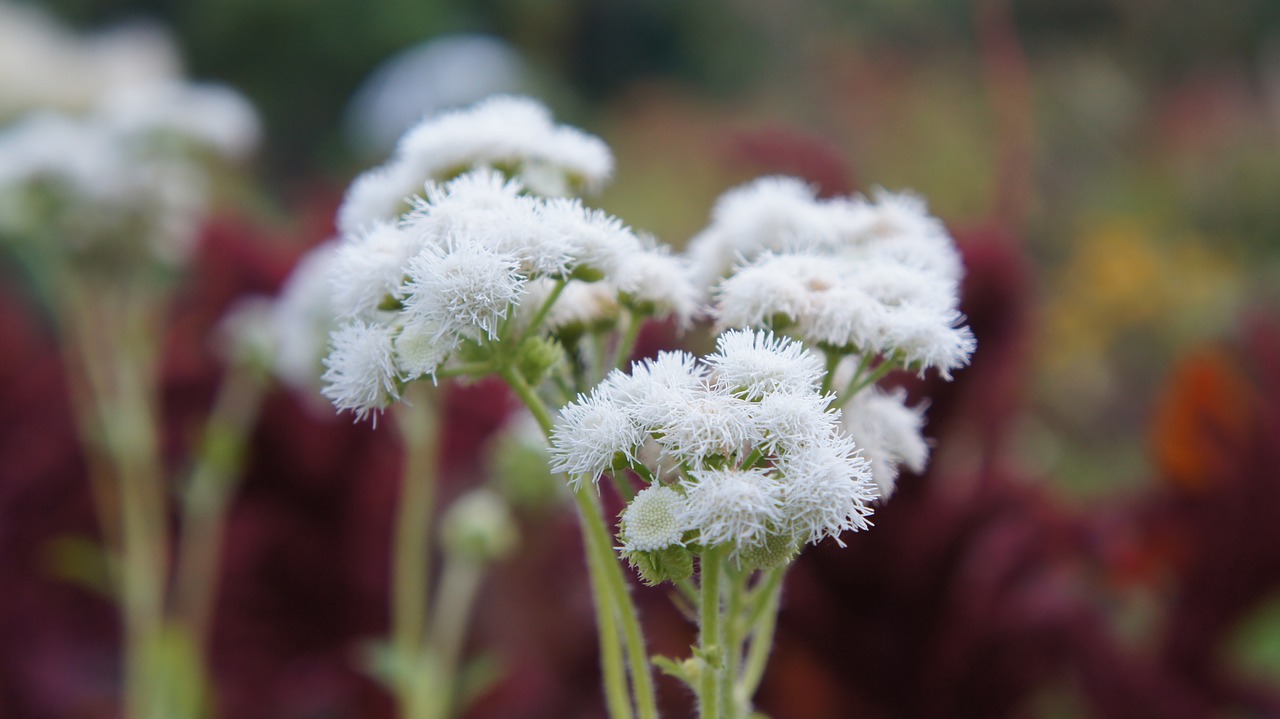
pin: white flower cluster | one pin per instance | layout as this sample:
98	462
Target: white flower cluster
889	432
110	182
754	453
472	261
288	334
877	276
514	135
46	65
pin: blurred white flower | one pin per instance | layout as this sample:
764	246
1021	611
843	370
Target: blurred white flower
889	433
378	195
514	133
209	115
44	65
659	281
302	316
370	266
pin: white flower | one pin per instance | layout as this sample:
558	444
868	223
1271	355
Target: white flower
214	116
706	424
653	520
512	133
893	214
245	334
768	213
758	454
931	339
43	64
81	155
369	267
485	208
756	363
889	434
421	348
378	195
463	289
580	304
792	422
895	285
140	208
656	278
866	307
479	527
360	372
737	507
590	433
655	385
595	240
828	490
775	287
302	317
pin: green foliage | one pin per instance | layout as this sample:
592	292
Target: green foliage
670	564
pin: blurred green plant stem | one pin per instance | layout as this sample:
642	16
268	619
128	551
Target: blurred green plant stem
111	334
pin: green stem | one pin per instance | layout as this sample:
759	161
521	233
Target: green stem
459	584
612	661
763	622
114	334
859	383
757	454
613	601
627	342
470	369
833	361
207	496
541	314
417	422
734	630
711	636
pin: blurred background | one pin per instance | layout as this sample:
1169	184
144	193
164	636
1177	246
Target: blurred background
1099	531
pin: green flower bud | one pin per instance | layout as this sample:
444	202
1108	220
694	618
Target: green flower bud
777	550
479	527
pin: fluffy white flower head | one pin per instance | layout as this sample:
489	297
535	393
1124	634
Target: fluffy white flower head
515	133
466	289
369	267
591	432
595	240
661	281
737	507
757	363
828	490
360	370
767	214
